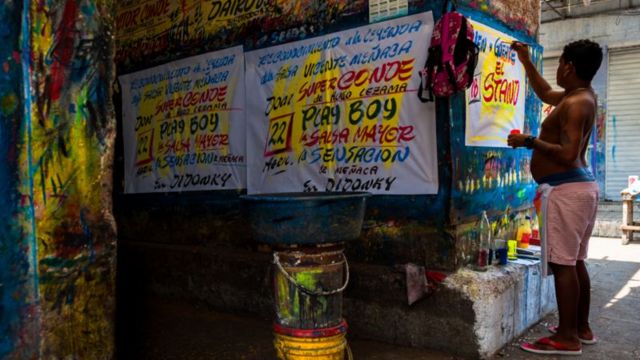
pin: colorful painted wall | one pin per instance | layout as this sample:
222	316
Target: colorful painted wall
397	229
163	30
58	233
18	334
523	16
493	179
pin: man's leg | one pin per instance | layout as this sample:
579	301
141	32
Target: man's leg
584	330
567	296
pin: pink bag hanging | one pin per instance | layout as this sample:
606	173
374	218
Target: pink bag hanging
452	58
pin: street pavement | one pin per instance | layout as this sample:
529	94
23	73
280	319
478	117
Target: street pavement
615	305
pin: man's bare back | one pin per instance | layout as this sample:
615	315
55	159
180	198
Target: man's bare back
579	106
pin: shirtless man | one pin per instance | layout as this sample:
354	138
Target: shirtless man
567	187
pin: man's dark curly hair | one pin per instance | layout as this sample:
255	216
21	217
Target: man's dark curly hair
586	57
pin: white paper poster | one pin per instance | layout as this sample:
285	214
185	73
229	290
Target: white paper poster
496	99
340	112
184	125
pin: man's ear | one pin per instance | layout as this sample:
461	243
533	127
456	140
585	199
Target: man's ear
571	69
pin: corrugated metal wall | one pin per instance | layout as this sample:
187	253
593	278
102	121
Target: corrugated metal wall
623	120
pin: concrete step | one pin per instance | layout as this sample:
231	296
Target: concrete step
609	218
605	228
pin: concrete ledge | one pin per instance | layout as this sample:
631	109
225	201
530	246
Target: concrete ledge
376	308
506	301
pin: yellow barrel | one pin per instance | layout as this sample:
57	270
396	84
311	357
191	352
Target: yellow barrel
300	348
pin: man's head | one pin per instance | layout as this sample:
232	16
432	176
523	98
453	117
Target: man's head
579	63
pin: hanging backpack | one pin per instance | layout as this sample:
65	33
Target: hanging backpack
452	59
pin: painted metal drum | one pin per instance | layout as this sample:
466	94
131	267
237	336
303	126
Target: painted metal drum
308	287
311	348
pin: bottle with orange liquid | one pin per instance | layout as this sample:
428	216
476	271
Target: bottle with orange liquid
524	232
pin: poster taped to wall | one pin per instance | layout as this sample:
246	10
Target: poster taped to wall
496	99
184	125
340	113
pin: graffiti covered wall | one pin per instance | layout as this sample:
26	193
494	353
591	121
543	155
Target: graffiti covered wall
57	236
18	334
521	15
392	224
490	178
397	229
494	179
71	132
161	30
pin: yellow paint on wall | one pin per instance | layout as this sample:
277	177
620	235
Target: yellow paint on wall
70	167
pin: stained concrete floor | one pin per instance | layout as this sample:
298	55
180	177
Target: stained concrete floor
172	330
175	331
615	305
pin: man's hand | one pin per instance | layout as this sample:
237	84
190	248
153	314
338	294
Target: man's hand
522	50
516	140
538	83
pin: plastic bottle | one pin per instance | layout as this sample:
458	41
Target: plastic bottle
526	233
535	230
520	228
489	238
512	243
500	242
492	244
485	239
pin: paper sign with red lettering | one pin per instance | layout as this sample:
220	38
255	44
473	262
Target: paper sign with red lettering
495	100
340	113
184	125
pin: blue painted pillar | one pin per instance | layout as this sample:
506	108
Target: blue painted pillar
18	313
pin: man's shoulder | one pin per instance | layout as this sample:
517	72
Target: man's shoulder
580	97
584	100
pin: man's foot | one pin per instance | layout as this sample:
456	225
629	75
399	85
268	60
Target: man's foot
551	346
585	335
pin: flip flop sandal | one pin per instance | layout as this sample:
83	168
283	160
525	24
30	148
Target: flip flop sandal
557	348
554	329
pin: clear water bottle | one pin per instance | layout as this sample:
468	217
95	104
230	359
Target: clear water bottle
484	247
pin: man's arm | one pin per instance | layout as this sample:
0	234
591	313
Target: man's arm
568	151
540	86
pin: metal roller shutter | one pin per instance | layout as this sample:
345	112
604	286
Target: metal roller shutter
623	120
549	67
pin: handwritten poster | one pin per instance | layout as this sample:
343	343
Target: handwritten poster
184	124
340	113
495	100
